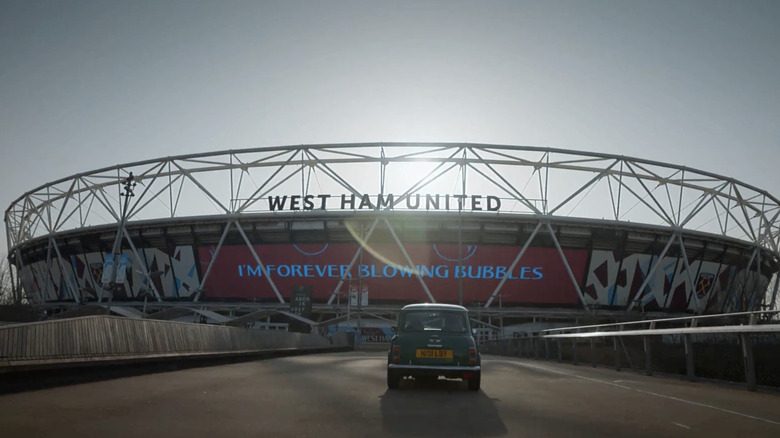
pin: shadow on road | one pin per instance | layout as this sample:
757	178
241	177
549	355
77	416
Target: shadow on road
440	408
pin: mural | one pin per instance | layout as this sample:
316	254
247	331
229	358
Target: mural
172	274
176	271
616	282
708	286
388	274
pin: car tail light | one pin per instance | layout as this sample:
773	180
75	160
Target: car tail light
472	356
396	353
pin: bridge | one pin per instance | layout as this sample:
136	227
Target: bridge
133	377
344	395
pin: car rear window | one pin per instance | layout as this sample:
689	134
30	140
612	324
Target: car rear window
434	320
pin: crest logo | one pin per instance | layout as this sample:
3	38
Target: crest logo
468	252
97	272
314	252
704	284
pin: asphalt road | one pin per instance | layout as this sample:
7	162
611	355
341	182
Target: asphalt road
344	395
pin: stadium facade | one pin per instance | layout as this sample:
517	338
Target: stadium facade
498	228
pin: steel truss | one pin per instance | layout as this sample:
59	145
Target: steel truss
548	189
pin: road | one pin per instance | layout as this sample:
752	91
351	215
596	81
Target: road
344	395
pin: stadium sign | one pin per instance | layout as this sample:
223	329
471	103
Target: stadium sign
541	277
384	202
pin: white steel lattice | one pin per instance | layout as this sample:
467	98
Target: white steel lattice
529	182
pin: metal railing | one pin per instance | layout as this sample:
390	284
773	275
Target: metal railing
108	338
716	343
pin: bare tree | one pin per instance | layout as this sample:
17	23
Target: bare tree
6	286
14	308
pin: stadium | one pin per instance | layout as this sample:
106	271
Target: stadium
335	234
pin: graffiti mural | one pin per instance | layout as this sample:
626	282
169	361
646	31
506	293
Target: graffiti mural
706	286
171	275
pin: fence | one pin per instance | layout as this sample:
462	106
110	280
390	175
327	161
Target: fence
746	348
105	338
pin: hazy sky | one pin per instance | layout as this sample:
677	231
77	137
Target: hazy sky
88	84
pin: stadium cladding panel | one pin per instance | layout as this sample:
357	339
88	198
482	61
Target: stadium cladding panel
483	225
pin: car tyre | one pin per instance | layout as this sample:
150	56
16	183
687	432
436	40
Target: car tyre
474	382
393	379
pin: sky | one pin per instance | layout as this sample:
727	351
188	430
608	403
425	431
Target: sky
88	84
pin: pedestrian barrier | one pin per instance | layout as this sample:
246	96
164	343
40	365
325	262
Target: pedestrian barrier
696	346
106	338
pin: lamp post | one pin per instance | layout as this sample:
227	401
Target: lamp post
129	185
148	277
501	313
347	295
500	317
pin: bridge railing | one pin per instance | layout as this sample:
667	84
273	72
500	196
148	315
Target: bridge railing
108	338
746	346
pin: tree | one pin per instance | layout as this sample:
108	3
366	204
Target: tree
6	285
14	309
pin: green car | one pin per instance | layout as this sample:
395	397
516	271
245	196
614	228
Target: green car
433	340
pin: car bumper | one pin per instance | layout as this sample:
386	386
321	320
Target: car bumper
433	369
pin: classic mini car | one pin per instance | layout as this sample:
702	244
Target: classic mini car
433	340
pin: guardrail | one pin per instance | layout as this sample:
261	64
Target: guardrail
107	338
623	338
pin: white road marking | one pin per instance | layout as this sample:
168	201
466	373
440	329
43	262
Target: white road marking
681	400
681	425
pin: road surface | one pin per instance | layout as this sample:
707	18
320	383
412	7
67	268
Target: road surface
345	395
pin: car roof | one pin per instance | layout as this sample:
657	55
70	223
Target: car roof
434	306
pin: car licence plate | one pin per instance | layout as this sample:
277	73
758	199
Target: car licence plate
433	354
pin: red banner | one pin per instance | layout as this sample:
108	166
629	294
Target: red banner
540	276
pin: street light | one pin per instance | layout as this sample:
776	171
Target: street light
129	185
147	283
501	313
346	294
